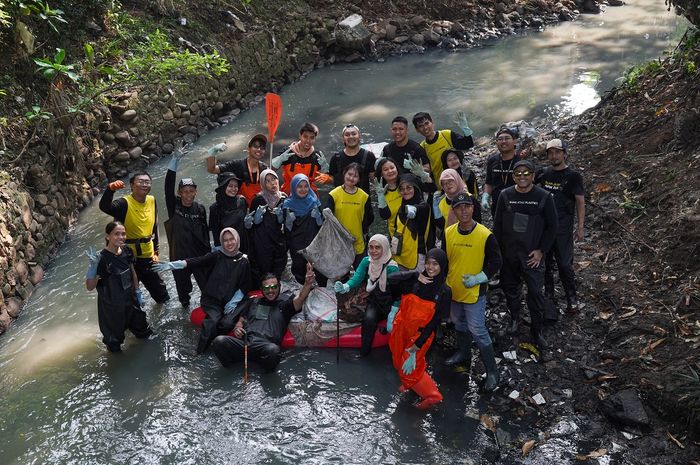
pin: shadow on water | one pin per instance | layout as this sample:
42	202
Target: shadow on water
65	400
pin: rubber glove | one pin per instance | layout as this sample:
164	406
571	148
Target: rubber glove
485	201
216	149
216	248
410	364
322	162
259	212
277	211
94	259
390	318
177	155
416	168
411	211
289	222
231	304
471	280
316	214
341	288
139	298
463	124
381	192
165	266
116	185
436	204
323	178
282	157
248	220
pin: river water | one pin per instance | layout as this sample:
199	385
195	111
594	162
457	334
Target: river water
64	399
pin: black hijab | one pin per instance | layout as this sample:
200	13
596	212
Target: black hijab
431	291
415	200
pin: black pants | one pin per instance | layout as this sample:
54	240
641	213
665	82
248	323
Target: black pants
271	259
373	315
563	253
230	350
183	282
213	323
152	280
115	321
513	272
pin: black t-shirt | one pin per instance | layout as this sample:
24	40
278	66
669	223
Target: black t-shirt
340	160
269	319
564	185
398	154
240	169
499	174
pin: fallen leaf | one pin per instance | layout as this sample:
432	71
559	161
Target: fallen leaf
527	447
605	314
602	187
584	264
628	314
653	345
488	422
592	455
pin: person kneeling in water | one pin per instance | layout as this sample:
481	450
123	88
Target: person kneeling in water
425	297
228	281
262	322
119	298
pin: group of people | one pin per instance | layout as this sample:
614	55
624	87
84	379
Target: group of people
434	263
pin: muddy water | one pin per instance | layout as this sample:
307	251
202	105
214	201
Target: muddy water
63	399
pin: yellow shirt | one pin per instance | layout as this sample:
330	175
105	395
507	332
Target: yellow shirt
434	152
393	201
139	222
465	254
350	211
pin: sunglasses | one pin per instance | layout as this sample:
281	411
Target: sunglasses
270	287
521	173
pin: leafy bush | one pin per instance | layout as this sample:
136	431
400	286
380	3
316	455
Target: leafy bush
53	70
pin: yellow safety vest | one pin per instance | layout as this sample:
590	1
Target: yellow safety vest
139	222
350	211
409	247
465	254
393	201
434	152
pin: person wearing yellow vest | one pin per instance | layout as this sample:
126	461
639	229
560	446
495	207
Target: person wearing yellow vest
436	142
411	226
474	256
386	186
353	208
139	214
451	184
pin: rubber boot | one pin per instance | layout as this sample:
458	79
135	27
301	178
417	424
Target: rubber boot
571	305
489	358
538	339
428	392
512	329
464	350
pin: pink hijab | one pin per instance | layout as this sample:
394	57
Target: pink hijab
272	198
461	187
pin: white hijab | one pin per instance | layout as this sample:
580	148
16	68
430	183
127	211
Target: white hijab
377	268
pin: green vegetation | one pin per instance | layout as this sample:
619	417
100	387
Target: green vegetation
634	75
54	70
689	390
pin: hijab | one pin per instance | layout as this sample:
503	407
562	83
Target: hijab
431	290
449	173
272	198
377	268
236	236
301	205
460	157
415	200
226	202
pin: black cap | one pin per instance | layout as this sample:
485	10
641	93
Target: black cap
259	137
184	182
505	129
462	198
223	179
526	163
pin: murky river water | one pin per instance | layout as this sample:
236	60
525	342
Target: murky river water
64	399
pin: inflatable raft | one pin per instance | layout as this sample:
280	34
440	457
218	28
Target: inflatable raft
305	333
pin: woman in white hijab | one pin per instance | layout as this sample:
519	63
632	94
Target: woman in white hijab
373	269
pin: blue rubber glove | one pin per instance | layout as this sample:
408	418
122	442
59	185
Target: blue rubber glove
248	220
94	259
410	364
139	298
381	192
316	214
341	288
216	248
289	222
417	169
436	204
277	211
390	318
411	211
471	280
463	124
282	157
322	162
231	304
259	213
216	149
166	266
486	201
174	161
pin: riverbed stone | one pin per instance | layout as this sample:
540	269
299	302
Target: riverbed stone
22	271
128	115
390	31
13	306
122	156
417	39
168	115
352	34
625	407
135	153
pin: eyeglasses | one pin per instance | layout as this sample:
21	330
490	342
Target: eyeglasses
143	182
406	188
521	173
504	139
270	287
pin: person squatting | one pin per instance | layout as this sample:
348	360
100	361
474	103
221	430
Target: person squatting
433	265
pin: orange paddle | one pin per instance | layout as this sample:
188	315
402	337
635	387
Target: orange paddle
273	110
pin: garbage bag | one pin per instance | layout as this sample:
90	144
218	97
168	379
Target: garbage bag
320	305
333	249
